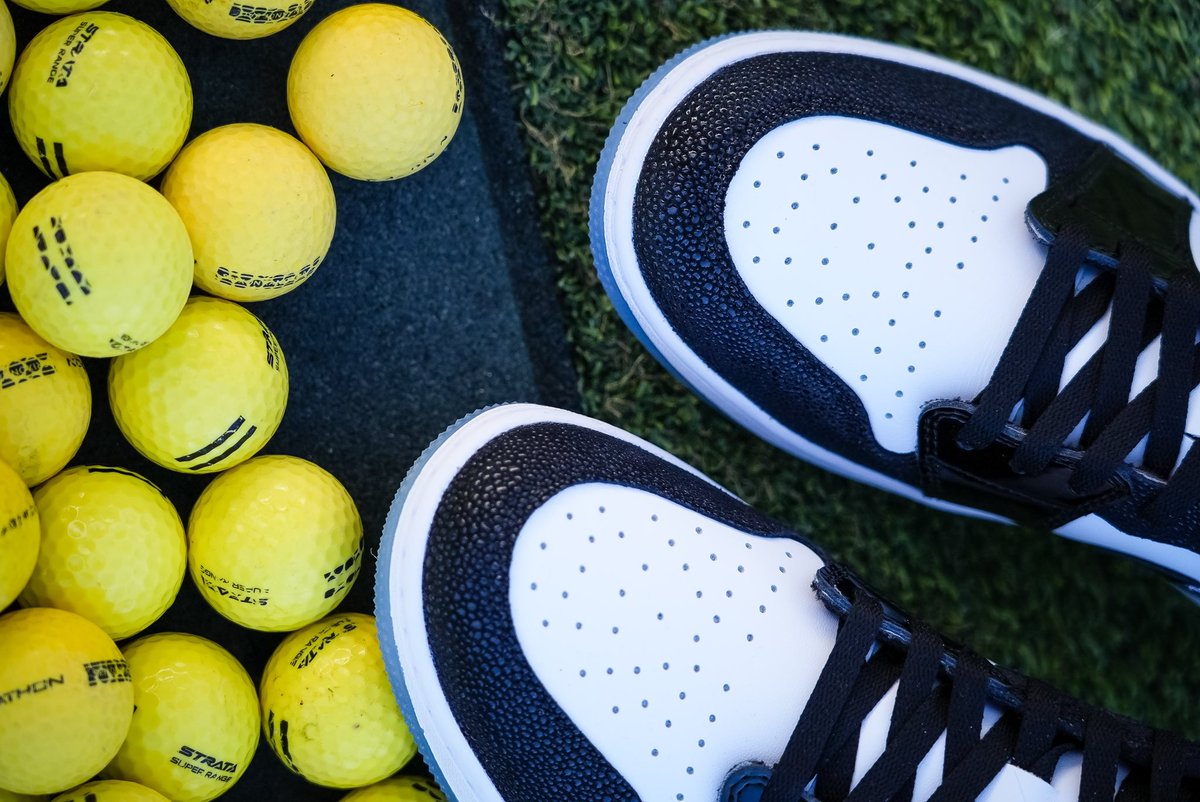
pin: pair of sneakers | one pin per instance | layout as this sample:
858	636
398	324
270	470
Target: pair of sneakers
900	269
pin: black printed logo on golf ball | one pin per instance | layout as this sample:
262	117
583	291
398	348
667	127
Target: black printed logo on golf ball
197	762
234	591
24	369
58	259
254	281
72	48
17	520
126	344
328	634
342	577
107	672
259	15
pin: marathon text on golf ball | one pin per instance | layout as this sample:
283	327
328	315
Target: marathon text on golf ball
309	651
72	47
37	686
260	15
61	264
211	767
234	428
103	672
242	281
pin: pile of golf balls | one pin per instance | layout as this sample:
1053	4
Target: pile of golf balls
131	261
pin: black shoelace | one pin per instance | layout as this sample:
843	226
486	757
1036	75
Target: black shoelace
1054	320
943	689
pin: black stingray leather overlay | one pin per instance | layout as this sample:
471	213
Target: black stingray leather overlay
1117	203
678	216
984	479
526	743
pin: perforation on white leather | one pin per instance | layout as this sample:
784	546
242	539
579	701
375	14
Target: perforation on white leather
901	261
679	646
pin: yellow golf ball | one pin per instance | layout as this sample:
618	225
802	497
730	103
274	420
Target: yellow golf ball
19	534
232	184
100	91
397	789
8	49
111	791
206	395
113	549
275	543
45	402
59	7
13	796
195	725
232	19
8	201
375	91
82	281
327	708
66	700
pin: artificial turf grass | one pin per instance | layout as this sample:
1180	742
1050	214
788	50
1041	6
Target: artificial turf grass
1097	625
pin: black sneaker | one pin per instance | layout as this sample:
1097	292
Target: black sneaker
920	277
569	613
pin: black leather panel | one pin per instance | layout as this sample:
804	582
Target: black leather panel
1118	204
984	479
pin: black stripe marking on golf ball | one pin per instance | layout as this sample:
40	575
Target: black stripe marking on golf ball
230	432
59	156
284	747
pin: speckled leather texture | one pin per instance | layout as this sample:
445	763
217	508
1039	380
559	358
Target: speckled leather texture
530	749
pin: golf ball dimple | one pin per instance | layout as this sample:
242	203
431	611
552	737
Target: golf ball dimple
275	543
60	7
205	396
100	91
45	402
82	281
8	49
111	791
398	789
20	534
231	19
195	724
67	700
376	92
327	708
112	550
8	201
235	182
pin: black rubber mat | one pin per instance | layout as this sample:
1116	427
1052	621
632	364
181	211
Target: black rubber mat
436	298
